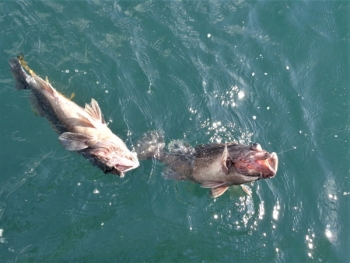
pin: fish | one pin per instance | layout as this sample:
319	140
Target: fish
213	166
82	130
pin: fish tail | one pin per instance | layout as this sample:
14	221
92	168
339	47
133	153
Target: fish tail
151	146
19	74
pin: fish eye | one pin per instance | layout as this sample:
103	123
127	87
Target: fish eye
256	147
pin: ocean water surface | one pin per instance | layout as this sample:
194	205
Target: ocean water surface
272	72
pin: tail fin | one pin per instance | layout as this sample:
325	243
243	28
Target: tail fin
19	74
151	146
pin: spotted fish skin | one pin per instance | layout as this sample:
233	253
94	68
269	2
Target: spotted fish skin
214	166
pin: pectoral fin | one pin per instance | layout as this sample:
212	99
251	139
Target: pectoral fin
246	190
224	160
217	188
75	141
211	184
216	192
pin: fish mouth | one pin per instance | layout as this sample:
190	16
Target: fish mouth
273	163
260	164
127	165
270	165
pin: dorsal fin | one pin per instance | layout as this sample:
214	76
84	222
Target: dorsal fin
94	111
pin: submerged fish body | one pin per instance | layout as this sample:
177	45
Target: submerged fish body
83	130
214	166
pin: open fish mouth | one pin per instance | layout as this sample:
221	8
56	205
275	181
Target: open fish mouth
259	163
273	163
268	166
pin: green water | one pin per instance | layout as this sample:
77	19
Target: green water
273	72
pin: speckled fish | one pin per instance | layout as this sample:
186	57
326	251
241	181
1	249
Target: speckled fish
214	166
83	130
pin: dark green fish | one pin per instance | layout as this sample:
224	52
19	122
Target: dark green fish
214	166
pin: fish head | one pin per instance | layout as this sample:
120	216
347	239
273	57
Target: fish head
117	158
254	161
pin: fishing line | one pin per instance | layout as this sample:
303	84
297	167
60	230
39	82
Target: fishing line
319	139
